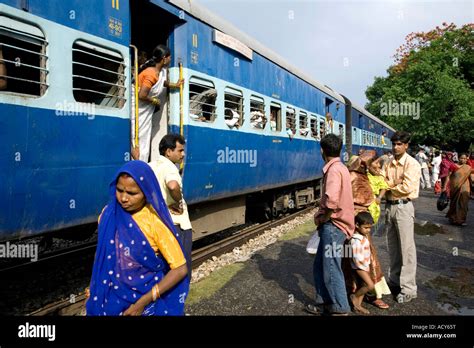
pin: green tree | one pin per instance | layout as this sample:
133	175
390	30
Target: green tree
435	71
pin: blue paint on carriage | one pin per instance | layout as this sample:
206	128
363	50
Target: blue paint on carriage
260	74
56	169
279	162
106	19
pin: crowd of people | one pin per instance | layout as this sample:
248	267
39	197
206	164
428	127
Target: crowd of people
452	174
143	259
349	215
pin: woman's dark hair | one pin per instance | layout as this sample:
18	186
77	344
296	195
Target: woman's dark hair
160	52
437	153
169	142
331	145
364	218
402	136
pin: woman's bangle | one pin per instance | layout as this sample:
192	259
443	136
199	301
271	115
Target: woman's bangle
158	290
155	101
155	291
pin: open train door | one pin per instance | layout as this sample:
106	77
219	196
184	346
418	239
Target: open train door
152	25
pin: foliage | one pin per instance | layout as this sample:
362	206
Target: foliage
435	72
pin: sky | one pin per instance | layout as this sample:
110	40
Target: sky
344	44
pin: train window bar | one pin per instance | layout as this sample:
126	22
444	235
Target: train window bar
304	130
341	132
98	75
258	119
322	128
275	117
233	106
314	126
291	120
23	51
202	100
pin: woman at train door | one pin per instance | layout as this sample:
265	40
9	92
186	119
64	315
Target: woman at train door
139	266
152	80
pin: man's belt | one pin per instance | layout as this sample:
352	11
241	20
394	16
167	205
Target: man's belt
398	201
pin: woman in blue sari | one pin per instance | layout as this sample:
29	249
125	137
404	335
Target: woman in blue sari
139	266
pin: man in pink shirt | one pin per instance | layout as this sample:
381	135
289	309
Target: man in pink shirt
335	221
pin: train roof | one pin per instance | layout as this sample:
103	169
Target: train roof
206	16
369	115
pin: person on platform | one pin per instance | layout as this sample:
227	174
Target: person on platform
402	175
139	266
335	221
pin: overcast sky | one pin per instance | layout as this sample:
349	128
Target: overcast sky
341	43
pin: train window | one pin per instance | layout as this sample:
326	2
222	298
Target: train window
304	130
341	131
98	75
23	52
290	121
322	128
314	127
202	100
355	139
233	107
275	117
257	112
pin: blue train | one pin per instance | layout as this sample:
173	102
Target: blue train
65	114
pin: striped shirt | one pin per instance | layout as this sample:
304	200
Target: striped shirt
360	247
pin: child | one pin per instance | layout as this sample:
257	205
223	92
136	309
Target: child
360	261
379	187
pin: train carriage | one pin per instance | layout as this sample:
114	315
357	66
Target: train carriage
66	114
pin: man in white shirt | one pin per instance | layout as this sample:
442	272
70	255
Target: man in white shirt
425	173
436	163
171	184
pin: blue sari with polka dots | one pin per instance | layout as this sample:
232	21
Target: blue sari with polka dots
126	267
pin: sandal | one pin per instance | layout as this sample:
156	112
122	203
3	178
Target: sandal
380	304
314	309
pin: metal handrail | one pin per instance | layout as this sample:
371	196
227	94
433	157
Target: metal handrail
9	77
97	92
100	81
25	50
25	34
27	65
121	62
106	70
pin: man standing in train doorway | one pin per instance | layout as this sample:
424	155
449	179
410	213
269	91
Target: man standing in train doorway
335	221
402	174
167	173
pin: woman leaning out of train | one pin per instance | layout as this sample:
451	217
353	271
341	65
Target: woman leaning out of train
139	266
152	80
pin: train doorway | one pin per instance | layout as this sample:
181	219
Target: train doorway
150	27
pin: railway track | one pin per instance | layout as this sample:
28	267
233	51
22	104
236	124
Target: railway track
75	305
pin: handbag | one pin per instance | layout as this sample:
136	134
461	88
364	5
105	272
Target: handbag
312	246
443	201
